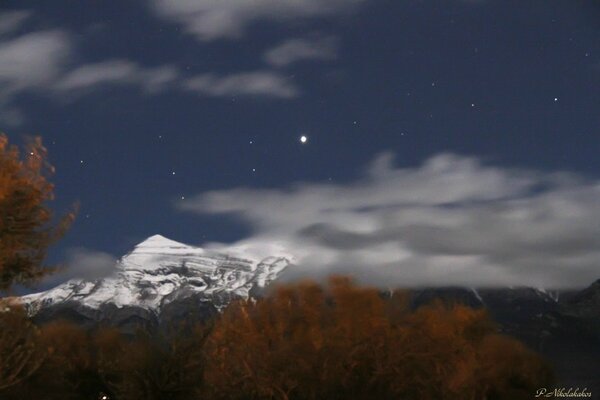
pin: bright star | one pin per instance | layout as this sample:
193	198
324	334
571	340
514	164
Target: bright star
303	139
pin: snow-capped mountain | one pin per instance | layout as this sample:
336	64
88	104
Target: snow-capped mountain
160	271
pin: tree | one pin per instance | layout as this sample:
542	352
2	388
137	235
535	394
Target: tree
159	366
21	353
26	223
305	342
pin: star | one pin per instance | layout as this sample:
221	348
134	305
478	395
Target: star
555	99
303	139
253	169
173	173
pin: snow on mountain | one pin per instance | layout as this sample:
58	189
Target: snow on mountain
159	271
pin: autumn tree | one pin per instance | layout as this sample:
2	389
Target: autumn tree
26	231
153	366
21	351
26	223
68	366
306	342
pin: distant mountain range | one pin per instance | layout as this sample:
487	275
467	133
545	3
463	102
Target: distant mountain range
162	280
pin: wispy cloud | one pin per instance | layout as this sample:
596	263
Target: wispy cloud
43	63
83	263
294	50
450	221
118	72
30	62
213	19
257	83
12	20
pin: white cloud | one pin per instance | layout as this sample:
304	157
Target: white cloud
12	20
90	264
212	19
450	221
295	50
152	80
83	263
32	60
28	63
42	63
257	83
118	72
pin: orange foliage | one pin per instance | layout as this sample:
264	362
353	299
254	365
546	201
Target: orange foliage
158	367
25	219
346	342
21	354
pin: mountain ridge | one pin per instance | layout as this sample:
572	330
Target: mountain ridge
160	270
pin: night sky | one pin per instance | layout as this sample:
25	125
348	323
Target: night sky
444	141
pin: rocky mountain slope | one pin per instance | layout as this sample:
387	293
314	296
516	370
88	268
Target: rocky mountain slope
157	276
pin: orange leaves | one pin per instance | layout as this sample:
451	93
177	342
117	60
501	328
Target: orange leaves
21	354
25	219
306	342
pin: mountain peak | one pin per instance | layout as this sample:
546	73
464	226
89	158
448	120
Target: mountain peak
159	242
159	271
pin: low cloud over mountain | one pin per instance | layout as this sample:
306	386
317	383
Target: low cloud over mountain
451	220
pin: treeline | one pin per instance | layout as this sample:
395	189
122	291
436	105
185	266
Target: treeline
303	341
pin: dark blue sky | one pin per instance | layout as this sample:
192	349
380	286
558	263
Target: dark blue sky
126	93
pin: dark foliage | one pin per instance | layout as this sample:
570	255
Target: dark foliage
301	342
